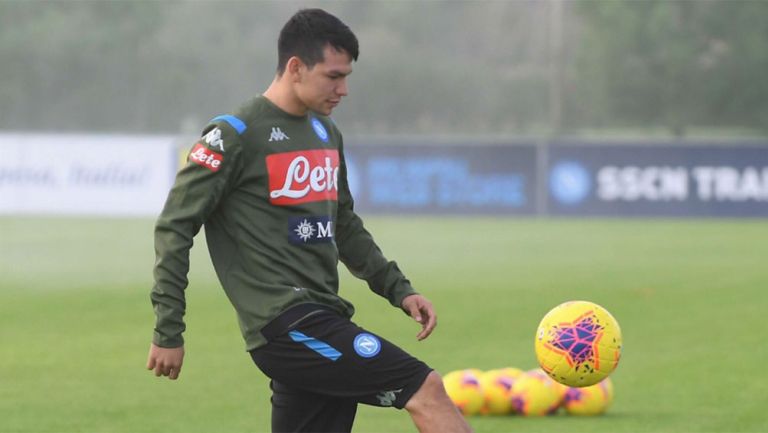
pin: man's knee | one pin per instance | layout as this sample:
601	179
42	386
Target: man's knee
431	393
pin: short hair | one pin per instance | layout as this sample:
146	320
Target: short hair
306	34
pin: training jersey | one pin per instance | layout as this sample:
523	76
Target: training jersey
271	190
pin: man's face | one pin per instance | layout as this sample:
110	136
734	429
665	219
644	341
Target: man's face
322	87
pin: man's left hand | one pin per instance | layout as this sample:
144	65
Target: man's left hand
422	311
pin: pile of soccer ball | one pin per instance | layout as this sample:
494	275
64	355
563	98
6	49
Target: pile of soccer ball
578	344
532	393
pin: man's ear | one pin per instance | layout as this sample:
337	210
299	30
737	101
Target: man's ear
295	68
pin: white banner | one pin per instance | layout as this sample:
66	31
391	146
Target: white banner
72	174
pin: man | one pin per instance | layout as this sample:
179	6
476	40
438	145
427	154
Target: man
270	185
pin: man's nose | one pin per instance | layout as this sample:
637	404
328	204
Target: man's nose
342	88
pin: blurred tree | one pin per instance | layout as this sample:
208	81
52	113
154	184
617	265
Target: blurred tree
427	67
439	67
676	64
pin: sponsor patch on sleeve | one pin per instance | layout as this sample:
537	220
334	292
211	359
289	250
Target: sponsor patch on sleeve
205	157
213	138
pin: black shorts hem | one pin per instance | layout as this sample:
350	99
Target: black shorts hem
409	392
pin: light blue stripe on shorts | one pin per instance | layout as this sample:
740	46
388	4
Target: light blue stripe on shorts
318	346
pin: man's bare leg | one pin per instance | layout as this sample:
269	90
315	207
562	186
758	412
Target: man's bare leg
433	411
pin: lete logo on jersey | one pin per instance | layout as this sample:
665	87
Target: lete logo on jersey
205	157
303	176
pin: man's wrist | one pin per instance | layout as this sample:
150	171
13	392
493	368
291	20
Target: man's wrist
167	342
402	300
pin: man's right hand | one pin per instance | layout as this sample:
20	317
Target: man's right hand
165	361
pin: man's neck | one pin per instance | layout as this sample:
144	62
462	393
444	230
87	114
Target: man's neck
281	94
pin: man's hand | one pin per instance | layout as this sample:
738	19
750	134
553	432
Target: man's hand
165	361
421	310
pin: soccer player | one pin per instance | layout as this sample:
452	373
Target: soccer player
270	184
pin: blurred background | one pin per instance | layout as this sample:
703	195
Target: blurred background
530	102
510	155
649	68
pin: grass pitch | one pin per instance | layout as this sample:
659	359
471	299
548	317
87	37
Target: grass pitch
75	322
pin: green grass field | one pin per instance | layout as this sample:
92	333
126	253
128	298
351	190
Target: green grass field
691	297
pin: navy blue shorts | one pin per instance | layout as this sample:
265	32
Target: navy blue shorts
324	365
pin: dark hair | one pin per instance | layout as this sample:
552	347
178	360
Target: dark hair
307	33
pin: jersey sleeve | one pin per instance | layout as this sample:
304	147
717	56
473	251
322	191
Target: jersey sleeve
210	171
359	252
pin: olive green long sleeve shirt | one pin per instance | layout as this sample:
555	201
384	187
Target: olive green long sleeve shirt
271	190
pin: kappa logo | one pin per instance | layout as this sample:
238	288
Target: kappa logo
213	139
367	345
278	135
387	398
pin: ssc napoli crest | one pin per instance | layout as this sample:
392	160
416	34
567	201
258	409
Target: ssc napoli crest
320	129
569	182
367	345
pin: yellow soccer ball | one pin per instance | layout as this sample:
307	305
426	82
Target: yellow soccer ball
589	400
512	372
559	388
535	394
464	389
578	343
497	388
